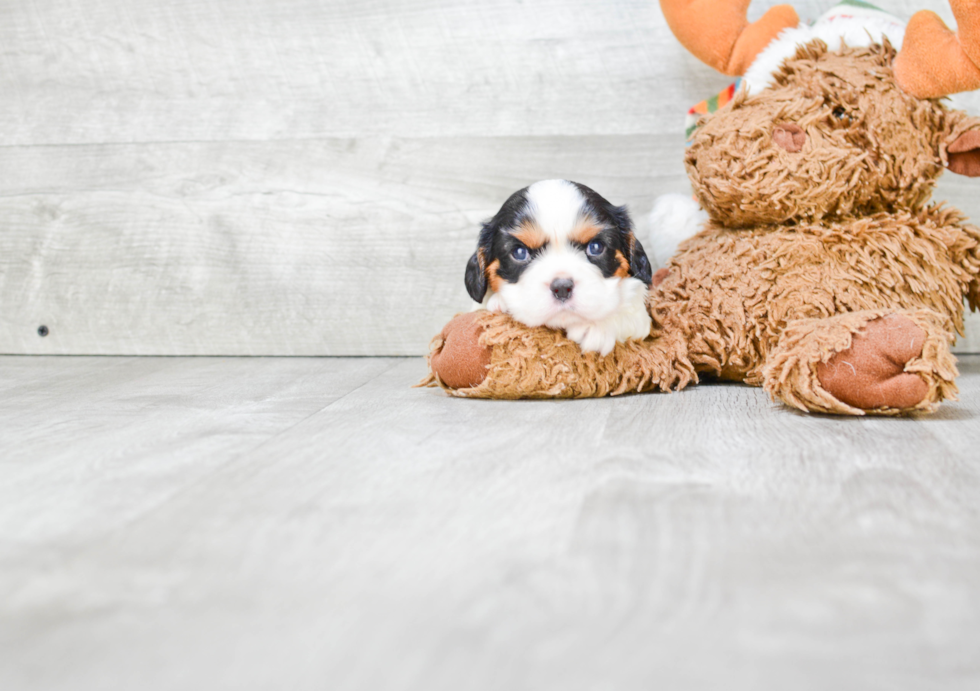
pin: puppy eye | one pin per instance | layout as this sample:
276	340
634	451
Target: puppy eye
519	253
840	113
595	248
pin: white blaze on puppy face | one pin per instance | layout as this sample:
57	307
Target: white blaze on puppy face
559	226
556	207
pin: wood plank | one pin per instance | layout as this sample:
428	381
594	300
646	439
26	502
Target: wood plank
114	71
333	247
143	428
121	71
399	539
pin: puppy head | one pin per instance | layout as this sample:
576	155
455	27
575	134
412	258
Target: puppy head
556	254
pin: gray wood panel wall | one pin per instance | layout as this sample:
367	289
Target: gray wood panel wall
306	177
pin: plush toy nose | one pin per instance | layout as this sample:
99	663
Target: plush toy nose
789	136
561	288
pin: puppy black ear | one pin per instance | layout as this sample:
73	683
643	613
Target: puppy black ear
640	265
476	267
476	278
621	217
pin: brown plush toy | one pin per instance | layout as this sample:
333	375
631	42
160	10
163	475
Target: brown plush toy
824	273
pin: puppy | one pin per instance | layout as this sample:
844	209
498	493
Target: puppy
559	255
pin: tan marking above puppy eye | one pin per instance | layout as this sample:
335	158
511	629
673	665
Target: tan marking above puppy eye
530	235
584	232
624	266
492	278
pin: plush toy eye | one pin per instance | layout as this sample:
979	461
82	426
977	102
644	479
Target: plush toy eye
519	253
595	248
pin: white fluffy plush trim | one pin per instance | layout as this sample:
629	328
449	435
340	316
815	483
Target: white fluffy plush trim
854	26
674	218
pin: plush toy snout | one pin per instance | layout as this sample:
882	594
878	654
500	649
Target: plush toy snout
789	136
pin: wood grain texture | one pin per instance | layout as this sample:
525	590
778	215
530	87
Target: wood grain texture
258	70
303	177
315	523
325	247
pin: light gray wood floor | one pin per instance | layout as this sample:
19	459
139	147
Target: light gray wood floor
171	523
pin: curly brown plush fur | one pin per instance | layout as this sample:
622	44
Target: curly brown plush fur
822	255
870	146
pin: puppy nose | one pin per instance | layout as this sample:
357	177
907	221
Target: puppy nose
790	136
561	288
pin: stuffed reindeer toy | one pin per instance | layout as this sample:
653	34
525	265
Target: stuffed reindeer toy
822	271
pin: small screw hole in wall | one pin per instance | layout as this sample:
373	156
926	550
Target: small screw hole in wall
42	331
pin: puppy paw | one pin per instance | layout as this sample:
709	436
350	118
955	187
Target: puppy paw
495	304
592	338
871	373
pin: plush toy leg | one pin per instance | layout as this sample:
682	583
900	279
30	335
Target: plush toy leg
880	362
517	361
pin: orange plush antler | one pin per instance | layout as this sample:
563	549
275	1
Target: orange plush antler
936	62
719	34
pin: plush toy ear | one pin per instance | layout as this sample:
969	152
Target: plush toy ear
964	154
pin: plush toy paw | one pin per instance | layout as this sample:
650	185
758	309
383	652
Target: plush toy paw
871	373
460	361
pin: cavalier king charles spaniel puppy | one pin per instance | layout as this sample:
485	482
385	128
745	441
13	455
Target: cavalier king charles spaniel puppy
559	255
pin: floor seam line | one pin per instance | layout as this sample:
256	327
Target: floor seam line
313	414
